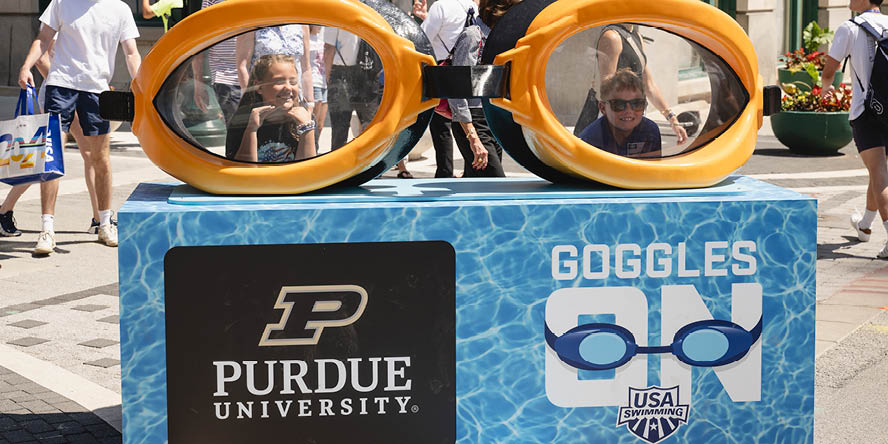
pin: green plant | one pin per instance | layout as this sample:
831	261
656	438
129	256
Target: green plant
808	58
797	100
813	36
800	60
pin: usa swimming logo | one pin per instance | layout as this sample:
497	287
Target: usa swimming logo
653	413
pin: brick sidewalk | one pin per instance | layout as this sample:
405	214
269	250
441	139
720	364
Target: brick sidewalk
34	414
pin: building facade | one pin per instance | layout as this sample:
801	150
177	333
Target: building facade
774	26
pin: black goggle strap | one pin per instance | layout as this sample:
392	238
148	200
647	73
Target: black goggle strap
771	98
117	105
440	82
465	82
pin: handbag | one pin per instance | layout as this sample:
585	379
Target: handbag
588	114
30	144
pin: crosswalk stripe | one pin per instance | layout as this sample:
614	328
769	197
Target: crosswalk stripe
830	189
811	175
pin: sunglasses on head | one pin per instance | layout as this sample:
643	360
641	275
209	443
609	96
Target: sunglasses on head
620	104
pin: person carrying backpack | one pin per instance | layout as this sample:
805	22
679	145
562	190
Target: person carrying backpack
868	123
443	22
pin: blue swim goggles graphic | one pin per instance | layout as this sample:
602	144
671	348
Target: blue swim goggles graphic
598	346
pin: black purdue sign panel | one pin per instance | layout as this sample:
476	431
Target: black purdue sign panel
314	343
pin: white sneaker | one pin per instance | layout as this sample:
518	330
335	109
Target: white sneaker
45	243
863	234
884	253
108	235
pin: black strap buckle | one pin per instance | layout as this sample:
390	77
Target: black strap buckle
117	105
771	98
458	82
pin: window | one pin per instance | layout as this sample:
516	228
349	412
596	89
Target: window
729	6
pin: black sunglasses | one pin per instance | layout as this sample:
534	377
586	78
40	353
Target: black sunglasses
636	104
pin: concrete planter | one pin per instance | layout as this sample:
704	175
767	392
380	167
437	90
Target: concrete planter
812	133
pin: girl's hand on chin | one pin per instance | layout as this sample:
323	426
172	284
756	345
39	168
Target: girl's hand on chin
259	114
299	114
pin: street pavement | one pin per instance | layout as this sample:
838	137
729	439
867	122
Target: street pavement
59	332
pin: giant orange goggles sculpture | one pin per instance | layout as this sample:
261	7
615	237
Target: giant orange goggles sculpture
512	83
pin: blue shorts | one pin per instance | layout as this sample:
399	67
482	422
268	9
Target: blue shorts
320	95
64	101
868	133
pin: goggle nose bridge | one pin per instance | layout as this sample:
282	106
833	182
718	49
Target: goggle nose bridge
465	82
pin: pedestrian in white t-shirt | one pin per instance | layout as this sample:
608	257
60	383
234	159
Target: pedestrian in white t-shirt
443	22
7	222
89	32
851	39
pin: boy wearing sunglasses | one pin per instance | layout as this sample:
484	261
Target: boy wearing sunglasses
622	128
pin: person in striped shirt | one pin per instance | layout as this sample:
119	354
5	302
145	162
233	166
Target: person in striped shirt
222	64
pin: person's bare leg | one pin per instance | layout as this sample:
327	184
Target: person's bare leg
46	243
88	173
877	165
12	197
97	150
97	147
49	190
877	191
7	220
320	111
871	199
402	170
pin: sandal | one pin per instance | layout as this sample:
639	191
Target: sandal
405	175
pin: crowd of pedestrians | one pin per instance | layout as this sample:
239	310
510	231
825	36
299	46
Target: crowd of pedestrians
277	85
274	86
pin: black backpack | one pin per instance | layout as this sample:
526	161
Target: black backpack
876	98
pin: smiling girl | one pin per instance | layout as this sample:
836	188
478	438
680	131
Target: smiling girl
272	124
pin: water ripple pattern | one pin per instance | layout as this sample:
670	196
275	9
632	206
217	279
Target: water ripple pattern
504	279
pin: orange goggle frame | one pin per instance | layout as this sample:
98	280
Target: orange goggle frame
403	97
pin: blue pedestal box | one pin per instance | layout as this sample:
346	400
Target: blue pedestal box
469	311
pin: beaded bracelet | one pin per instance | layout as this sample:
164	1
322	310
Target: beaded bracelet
305	127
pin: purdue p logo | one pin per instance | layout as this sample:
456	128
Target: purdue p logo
310	309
